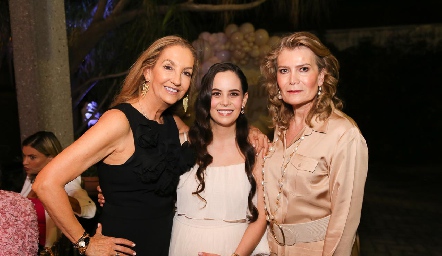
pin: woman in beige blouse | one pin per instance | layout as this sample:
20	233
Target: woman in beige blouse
315	171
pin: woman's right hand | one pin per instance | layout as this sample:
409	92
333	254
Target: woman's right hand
259	140
100	196
105	245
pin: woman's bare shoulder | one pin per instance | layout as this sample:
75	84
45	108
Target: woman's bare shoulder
112	126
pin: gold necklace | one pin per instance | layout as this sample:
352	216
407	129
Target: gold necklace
270	214
160	120
141	109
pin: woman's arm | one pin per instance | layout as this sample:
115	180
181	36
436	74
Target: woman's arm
254	232
107	139
348	173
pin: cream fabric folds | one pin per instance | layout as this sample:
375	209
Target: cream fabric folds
215	227
326	176
226	194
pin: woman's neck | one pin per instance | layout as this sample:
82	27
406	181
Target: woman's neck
300	114
221	133
151	109
224	148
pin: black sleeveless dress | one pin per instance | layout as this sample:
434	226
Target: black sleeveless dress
140	194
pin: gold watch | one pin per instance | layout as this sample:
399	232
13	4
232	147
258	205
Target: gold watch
82	243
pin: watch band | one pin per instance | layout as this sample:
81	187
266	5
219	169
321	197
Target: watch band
82	243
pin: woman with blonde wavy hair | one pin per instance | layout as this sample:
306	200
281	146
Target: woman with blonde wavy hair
315	172
137	148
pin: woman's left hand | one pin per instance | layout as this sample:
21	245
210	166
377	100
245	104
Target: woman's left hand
104	245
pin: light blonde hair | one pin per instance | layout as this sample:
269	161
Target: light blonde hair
326	62
132	85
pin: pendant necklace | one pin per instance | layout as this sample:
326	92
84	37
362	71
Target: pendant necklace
285	163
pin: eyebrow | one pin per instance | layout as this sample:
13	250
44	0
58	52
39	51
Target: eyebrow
173	64
233	90
300	65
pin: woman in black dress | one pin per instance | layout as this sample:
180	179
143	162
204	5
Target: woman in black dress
137	148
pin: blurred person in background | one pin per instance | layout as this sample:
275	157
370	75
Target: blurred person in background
38	150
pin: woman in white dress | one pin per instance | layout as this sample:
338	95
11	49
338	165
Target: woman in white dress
220	208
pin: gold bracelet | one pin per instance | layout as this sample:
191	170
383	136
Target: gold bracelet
49	251
82	243
85	234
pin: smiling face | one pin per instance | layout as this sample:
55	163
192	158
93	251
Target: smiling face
227	99
170	77
298	76
33	160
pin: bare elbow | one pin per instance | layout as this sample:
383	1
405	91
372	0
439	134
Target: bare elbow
40	186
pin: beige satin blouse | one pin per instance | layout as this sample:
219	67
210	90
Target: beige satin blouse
326	176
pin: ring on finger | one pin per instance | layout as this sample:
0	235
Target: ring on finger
117	254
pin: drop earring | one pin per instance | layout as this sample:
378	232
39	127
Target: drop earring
279	95
186	102
242	110
319	90
144	88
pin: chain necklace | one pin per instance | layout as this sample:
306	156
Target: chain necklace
285	162
160	120
141	110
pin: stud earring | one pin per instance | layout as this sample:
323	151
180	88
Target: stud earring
186	102
144	88
319	90
242	110
279	95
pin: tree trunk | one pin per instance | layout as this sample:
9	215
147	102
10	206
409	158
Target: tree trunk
41	68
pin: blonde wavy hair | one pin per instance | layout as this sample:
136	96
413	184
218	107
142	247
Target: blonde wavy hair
132	85
323	105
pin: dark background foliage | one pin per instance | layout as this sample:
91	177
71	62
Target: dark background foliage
393	93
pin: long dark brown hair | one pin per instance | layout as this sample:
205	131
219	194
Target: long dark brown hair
201	135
